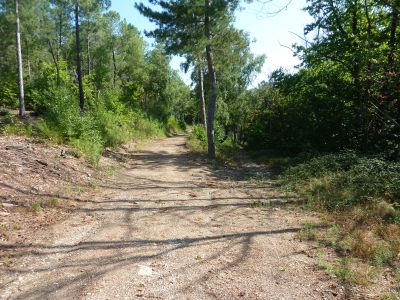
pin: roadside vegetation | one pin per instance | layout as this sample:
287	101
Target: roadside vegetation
226	147
358	197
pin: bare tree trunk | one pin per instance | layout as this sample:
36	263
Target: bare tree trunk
212	81
20	66
202	98
54	56
78	60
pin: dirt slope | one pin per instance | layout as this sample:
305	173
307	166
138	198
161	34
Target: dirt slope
35	175
168	226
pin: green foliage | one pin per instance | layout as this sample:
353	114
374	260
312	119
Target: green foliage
173	126
383	255
308	232
197	140
338	181
199	133
342	270
12	125
36	206
260	203
305	112
226	147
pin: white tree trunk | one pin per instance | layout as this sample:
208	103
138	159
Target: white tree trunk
20	66
202	98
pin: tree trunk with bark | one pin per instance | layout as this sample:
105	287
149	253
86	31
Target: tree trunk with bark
212	81
20	66
202	98
78	60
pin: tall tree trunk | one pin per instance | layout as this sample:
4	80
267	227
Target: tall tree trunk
114	68
78	60
20	66
55	61
202	98
212	81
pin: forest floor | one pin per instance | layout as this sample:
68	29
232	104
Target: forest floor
168	225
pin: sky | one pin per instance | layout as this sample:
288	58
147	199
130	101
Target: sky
269	33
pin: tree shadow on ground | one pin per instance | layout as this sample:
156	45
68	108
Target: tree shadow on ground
87	261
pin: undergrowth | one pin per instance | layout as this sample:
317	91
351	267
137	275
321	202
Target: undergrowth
360	196
226	148
109	123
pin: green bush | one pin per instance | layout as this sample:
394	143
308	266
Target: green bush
173	126
199	133
337	181
107	123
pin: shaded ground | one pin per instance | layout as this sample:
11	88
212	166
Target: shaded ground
168	226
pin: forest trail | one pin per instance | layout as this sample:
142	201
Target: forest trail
168	226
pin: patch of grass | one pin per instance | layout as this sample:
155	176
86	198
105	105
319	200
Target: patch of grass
6	261
258	180
36	206
390	296
261	204
275	160
383	254
17	226
308	232
331	235
361	195
173	127
397	275
342	270
51	202
110	171
4	227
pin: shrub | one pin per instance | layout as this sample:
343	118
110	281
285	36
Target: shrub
337	181
199	133
173	126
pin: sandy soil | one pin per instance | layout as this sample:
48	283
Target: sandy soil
169	226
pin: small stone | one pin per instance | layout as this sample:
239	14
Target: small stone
145	271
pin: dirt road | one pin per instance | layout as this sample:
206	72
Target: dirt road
169	226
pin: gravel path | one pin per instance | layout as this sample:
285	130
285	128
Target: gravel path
169	226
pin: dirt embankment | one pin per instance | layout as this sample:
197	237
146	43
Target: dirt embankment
39	184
